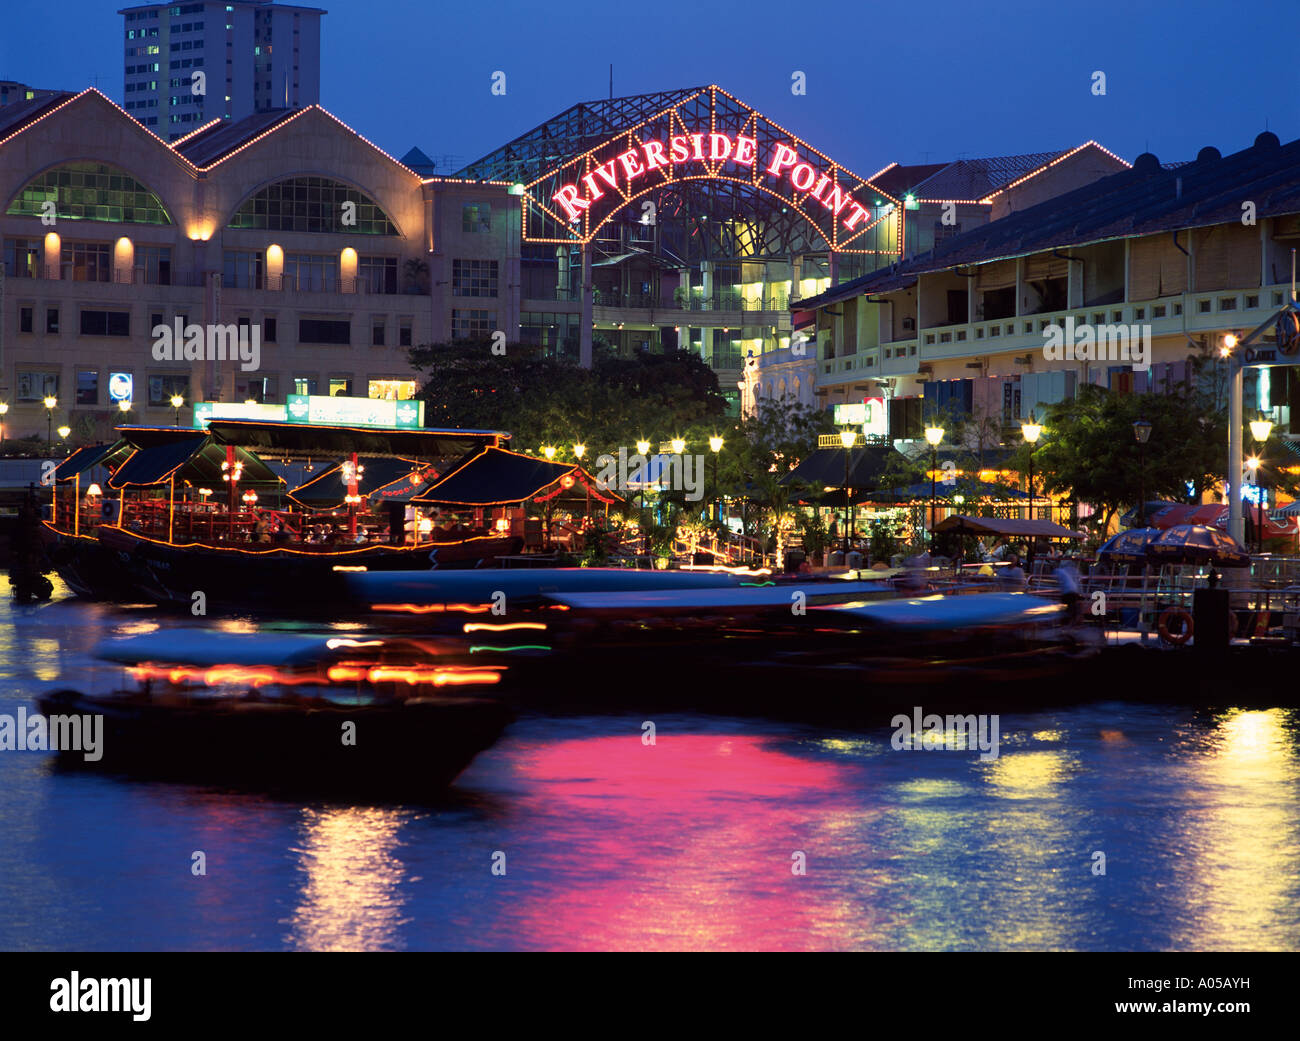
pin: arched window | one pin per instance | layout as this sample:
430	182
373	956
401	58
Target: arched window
89	191
313	204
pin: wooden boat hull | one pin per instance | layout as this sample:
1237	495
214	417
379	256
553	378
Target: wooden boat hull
88	567
405	751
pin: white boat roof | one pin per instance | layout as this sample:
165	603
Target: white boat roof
203	647
954	612
783	594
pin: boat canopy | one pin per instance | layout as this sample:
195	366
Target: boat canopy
497	477
194	459
1010	526
203	647
89	456
824	467
948	613
307	440
328	489
694	601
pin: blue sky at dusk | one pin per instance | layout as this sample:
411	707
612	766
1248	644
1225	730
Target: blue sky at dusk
884	83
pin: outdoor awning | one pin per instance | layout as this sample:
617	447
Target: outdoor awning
194	460
328	489
89	456
303	440
824	467
945	493
497	477
1005	526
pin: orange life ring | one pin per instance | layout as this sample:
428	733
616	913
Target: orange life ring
1168	615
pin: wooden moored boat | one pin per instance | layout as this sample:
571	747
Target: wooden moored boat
182	512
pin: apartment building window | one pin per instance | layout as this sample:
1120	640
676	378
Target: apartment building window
153	265
163	385
324	330
87	262
476	217
241	270
311	272
24	319
472	325
404	332
269	329
22	258
36	385
87	387
474	278
391	388
52	320
262	389
340	386
305	385
105	323
378	274
377	332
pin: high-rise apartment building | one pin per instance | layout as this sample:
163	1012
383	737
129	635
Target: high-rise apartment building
188	64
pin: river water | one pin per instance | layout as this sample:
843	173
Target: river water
692	843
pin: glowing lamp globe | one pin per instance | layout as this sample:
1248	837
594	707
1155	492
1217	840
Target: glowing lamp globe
643	447
1031	431
677	445
1261	428
848	437
715	443
934	435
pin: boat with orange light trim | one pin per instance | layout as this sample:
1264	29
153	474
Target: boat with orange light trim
166	513
357	717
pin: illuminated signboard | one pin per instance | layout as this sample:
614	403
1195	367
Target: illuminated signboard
355	412
870	414
782	162
121	386
209	410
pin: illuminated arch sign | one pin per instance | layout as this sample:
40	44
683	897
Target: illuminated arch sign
710	136
713	150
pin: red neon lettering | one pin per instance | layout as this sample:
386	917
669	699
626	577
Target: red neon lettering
679	150
593	189
745	150
607	174
631	166
698	141
716	143
796	176
568	198
822	181
836	201
654	155
785	156
858	214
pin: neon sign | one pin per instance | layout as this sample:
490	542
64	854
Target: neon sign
782	163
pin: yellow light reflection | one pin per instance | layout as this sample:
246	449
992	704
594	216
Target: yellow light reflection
1237	875
352	899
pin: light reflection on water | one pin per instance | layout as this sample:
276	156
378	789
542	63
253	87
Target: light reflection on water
686	844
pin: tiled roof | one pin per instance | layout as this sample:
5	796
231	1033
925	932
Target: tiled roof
1141	201
976	178
899	180
209	146
14	117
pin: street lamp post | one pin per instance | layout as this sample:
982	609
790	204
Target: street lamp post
1031	432
848	437
1260	429
177	402
1142	431
50	403
933	434
643	450
64	431
715	443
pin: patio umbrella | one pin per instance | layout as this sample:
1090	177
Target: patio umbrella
1127	547
1197	544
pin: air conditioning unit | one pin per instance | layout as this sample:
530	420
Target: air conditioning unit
110	511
